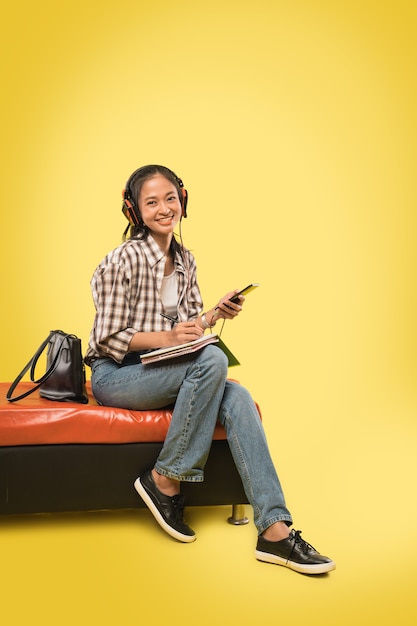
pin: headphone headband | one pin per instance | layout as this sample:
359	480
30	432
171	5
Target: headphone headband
130	207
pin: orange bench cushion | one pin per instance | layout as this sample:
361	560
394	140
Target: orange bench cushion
37	421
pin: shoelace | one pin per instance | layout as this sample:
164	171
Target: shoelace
304	546
178	504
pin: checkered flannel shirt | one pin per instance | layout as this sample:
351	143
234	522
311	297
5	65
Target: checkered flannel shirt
126	290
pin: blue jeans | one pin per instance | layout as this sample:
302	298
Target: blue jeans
197	388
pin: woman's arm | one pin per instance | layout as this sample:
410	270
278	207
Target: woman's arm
180	333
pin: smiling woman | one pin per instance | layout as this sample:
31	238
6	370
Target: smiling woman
138	290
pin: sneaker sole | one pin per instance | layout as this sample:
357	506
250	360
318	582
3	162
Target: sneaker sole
158	517
320	568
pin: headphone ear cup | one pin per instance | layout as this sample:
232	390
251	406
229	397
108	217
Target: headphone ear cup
130	211
184	202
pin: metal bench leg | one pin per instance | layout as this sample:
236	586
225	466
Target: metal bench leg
238	517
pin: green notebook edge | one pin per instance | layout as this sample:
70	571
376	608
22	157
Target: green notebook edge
230	356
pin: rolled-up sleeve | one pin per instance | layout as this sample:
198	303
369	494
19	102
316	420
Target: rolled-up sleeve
110	289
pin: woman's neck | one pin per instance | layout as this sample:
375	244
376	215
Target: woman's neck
164	242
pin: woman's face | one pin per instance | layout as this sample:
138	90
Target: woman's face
159	205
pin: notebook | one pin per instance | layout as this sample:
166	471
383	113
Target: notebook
172	352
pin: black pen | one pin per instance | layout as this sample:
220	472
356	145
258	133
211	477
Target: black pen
168	317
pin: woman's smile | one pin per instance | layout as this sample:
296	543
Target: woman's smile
165	218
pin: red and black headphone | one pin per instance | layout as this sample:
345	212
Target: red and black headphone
130	208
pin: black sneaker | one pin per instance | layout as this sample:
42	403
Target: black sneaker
294	553
167	510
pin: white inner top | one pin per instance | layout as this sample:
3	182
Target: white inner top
169	294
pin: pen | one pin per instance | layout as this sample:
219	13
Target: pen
168	317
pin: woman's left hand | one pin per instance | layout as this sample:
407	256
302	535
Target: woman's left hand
226	309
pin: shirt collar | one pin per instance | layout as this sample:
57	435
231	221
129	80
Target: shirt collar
152	251
154	254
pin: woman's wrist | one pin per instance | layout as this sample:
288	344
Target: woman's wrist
207	323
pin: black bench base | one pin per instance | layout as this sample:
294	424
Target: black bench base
93	477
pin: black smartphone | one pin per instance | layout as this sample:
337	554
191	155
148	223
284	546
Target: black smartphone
243	292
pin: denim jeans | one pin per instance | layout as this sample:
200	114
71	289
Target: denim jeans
197	388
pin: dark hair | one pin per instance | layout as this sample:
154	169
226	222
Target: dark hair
134	186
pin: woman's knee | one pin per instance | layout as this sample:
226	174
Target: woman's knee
238	393
239	403
215	359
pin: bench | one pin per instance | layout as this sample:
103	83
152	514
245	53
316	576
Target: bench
67	457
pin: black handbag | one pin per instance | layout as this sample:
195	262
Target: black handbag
64	379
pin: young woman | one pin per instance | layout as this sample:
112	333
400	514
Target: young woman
146	297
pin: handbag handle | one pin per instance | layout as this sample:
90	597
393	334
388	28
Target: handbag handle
32	365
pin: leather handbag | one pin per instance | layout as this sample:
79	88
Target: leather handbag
64	379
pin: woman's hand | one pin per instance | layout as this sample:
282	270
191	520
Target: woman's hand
225	309
183	332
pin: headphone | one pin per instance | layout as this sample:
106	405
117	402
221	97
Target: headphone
131	209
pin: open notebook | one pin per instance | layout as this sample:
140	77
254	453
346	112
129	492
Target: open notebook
187	348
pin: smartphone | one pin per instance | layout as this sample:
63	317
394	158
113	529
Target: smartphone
243	292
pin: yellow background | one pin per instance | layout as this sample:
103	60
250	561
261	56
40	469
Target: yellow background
292	124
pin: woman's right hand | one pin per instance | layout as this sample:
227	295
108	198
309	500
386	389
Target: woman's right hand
183	332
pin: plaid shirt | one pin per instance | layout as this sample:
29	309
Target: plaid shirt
126	290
